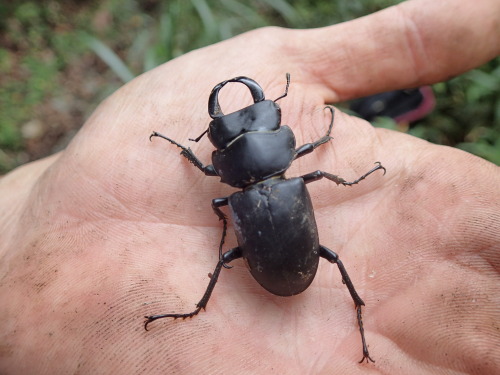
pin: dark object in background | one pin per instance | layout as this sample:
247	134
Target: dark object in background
404	106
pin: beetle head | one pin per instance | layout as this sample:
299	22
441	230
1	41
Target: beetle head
263	115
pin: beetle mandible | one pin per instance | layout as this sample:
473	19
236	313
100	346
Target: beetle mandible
273	216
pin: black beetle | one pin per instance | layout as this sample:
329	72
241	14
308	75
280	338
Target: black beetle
273	216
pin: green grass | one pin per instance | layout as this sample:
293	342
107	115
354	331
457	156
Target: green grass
77	52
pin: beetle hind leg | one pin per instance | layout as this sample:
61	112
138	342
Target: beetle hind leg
228	256
358	302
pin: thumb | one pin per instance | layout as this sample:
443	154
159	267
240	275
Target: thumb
408	45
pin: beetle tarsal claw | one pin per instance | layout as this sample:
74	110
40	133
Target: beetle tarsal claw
368	359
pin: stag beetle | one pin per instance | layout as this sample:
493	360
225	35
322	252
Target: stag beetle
273	216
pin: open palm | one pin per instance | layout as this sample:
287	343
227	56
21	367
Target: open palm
116	227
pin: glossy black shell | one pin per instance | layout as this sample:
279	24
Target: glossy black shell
261	116
255	156
277	234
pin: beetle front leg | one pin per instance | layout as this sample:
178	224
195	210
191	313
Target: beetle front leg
229	256
318	175
189	155
309	147
358	302
216	203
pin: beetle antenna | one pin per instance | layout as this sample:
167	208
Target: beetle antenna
199	137
286	88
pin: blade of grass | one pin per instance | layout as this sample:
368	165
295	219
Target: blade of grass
110	58
207	18
284	9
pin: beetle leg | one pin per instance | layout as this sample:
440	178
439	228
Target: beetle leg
216	203
197	139
286	88
309	147
189	155
358	302
318	175
228	257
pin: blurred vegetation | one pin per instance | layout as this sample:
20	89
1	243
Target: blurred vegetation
58	60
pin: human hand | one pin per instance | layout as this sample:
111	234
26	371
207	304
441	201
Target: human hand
116	227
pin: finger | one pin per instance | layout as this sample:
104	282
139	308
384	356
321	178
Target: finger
14	188
412	44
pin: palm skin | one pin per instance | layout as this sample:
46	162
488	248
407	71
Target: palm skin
115	228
